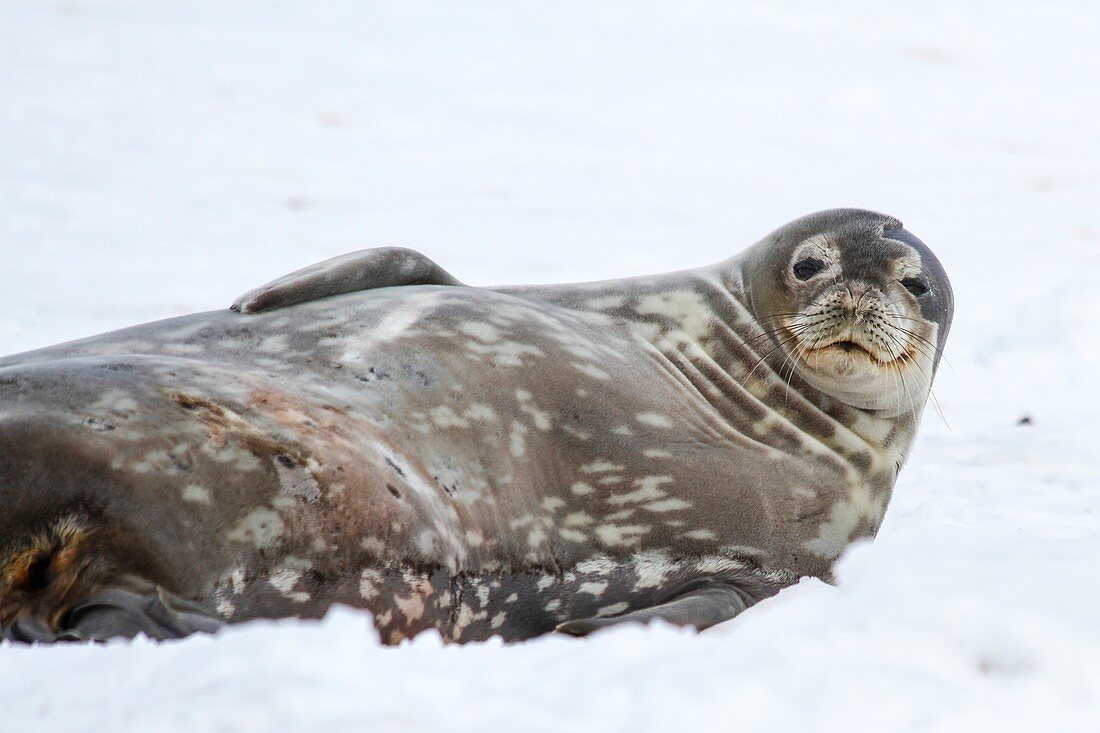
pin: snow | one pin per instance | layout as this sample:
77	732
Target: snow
162	158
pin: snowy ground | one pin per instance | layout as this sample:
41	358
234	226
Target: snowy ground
160	158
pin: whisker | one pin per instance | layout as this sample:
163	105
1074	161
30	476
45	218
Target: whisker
772	351
931	394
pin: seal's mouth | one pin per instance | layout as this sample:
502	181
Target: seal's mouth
848	338
850	346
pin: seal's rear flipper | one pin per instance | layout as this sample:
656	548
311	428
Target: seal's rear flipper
367	269
61	584
700	608
116	613
123	613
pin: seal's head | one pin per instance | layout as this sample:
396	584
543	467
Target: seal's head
857	305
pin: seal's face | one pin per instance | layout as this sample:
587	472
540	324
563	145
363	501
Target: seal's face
859	305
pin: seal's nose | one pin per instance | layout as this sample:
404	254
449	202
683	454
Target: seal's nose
862	298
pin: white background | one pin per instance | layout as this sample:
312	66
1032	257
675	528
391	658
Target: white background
159	158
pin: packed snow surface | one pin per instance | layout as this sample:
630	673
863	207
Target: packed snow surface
161	158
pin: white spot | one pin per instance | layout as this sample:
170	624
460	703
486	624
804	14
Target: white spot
412	606
395	325
654	419
600	466
539	417
572	535
581	489
599	565
196	494
617	535
577	432
687	308
553	503
480	330
700	534
716	564
506	353
647	491
518	445
835	534
114	402
613	609
261	528
480	412
372	545
369	581
591	370
445	417
652	569
594	588
522	521
236	581
655	453
498	620
240	458
284	577
668	505
577	519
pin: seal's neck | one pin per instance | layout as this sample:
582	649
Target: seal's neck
705	327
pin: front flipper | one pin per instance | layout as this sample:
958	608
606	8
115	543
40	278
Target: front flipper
367	269
700	608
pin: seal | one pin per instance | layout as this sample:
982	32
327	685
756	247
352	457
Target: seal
482	462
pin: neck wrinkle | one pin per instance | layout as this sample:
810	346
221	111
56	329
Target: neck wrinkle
746	378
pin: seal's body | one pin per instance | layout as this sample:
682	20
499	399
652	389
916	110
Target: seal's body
482	462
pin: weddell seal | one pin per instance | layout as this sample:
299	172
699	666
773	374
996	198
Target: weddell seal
482	462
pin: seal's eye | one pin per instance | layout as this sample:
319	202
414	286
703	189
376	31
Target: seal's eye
807	268
915	286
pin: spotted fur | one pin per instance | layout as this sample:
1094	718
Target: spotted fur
480	462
